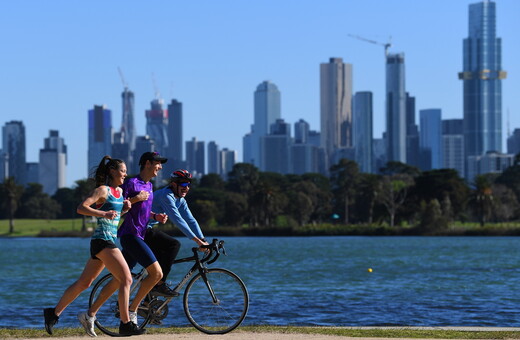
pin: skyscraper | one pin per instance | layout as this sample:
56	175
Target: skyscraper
53	162
156	124
482	82
395	108
430	139
213	158
335	105
195	157
13	145
175	144
227	159
363	113
99	135
127	134
267	107
275	148
453	145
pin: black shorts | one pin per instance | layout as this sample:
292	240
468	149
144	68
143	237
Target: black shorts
97	245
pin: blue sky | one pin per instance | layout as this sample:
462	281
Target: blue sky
60	58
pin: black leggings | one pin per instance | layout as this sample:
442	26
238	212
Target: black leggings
164	247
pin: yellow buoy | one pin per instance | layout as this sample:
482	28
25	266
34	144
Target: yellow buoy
369	270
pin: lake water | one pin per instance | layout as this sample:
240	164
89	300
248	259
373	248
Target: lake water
415	281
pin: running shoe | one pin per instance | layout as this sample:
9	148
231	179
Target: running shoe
50	319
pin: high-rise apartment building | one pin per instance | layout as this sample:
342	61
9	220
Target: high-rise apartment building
453	145
363	131
124	140
482	82
275	148
513	142
213	158
335	106
396	124
412	133
156	125
53	163
13	145
142	144
227	159
267	107
195	157
99	135
430	139
175	144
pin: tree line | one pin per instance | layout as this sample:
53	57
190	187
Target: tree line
400	195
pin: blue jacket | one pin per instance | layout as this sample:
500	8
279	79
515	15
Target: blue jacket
164	201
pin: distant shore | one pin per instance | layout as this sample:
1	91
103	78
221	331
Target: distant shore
73	228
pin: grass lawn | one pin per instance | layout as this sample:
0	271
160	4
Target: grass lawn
33	227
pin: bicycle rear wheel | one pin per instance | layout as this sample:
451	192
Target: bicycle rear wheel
107	318
218	316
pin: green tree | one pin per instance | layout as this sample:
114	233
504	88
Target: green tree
482	198
11	192
37	204
367	196
212	181
442	185
66	199
431	217
235	209
243	179
83	188
344	178
205	211
393	192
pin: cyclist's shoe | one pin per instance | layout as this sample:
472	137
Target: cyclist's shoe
133	317
130	328
163	290
87	322
50	319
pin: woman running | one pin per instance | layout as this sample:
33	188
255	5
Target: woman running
106	203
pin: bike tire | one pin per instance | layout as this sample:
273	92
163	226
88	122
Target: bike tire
230	309
107	318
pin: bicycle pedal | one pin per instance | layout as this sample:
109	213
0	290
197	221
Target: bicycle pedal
155	322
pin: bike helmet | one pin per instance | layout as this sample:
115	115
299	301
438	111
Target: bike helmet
181	174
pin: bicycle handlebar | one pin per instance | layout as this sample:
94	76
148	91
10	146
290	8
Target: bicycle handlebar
214	248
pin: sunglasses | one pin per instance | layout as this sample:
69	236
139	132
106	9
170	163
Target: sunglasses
184	184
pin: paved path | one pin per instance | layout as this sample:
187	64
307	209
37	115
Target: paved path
239	335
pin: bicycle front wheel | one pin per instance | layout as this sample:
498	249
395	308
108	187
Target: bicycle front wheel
107	318
216	305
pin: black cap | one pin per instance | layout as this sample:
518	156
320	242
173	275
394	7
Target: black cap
152	156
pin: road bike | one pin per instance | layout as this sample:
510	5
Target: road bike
215	300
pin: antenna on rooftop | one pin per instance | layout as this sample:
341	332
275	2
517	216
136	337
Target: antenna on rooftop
155	88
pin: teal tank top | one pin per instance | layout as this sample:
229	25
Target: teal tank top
107	229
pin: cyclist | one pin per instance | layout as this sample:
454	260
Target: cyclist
171	201
109	204
139	190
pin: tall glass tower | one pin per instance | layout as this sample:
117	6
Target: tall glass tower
267	111
13	145
395	108
99	135
53	162
335	105
482	74
363	133
430	140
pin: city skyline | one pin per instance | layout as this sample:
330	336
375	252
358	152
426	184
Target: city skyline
211	57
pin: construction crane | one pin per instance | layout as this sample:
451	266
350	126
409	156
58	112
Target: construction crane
125	84
386	45
155	88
